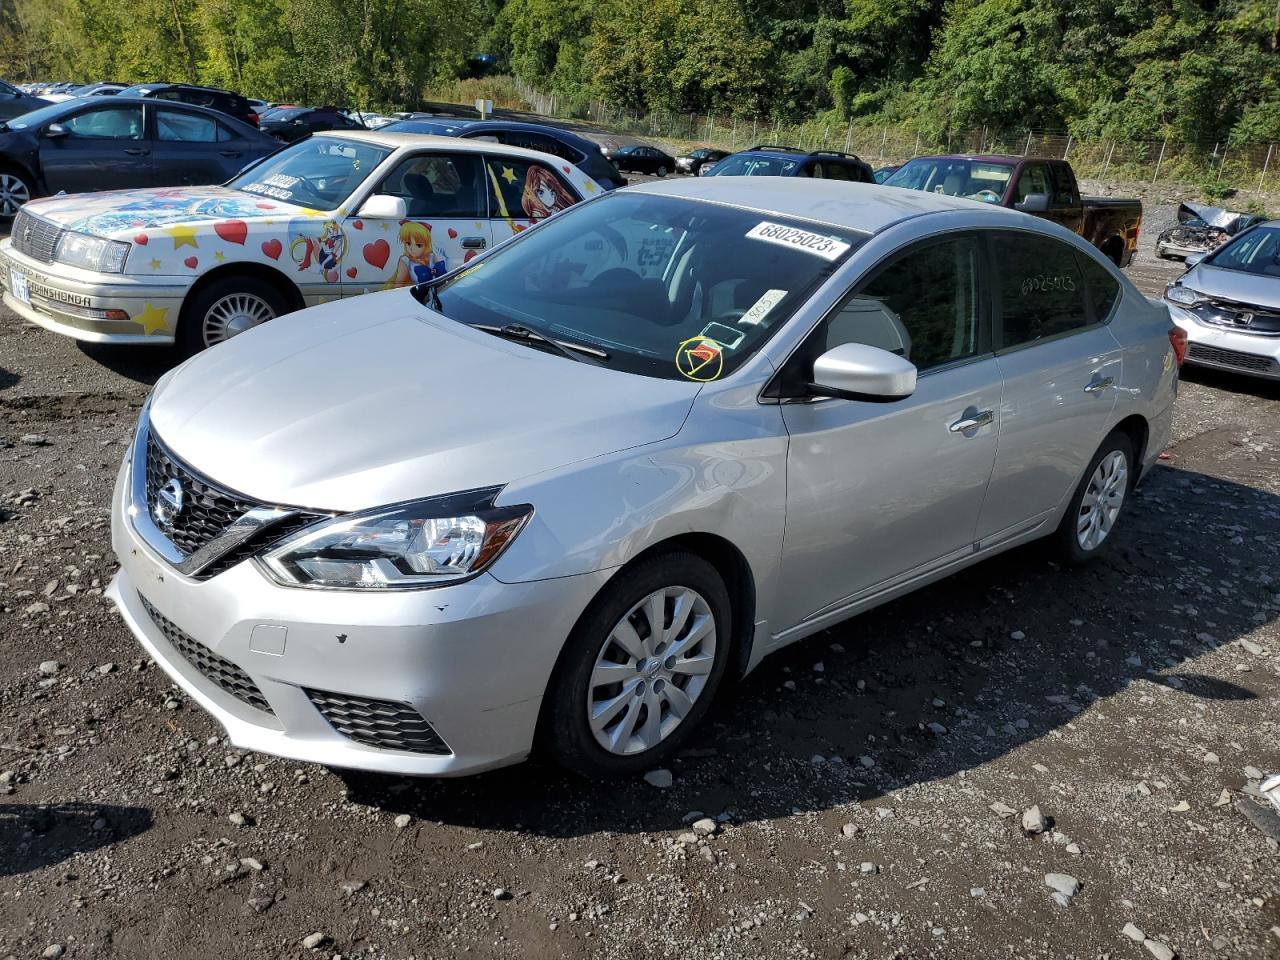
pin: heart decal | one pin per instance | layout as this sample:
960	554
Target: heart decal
140	239
468	256
565	169
191	262
265	206
377	253
273	248
358	224
232	231
351	272
453	234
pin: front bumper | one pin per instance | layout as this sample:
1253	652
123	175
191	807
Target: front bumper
1168	248
472	660
65	300
1224	349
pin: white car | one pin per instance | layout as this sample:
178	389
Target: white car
335	215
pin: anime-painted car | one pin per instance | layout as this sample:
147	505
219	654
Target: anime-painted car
335	215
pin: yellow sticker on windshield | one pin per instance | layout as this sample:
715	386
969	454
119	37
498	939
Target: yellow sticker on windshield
700	359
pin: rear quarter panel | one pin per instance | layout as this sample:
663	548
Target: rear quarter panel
1149	382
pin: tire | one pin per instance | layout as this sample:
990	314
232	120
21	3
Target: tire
647	722
228	306
662	170
1086	530
16	189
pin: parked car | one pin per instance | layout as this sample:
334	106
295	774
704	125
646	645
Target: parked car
640	158
224	101
884	173
696	426
14	103
1043	187
1201	229
338	214
108	143
766	160
295	123
1228	302
103	88
579	151
693	161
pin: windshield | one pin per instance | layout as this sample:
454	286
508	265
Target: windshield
319	173
972	179
12	91
746	165
1256	251
668	287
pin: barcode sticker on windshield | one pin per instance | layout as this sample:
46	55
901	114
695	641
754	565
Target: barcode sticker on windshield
760	309
828	248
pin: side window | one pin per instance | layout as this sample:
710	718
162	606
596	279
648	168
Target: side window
519	189
110	123
1101	288
923	306
175	125
224	134
1065	192
1034	179
438	185
540	142
1040	286
834	170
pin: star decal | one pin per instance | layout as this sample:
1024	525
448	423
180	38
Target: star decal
508	175
184	235
219	256
152	320
308	212
591	186
155	264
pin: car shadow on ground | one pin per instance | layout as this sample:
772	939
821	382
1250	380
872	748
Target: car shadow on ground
41	835
139	364
1231	382
1013	648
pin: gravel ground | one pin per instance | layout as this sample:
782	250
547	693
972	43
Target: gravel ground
1019	761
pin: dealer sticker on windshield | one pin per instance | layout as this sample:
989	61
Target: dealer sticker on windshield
829	248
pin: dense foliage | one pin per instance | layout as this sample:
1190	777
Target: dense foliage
1195	70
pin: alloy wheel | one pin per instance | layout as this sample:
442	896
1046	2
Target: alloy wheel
1102	500
651	669
234	314
13	194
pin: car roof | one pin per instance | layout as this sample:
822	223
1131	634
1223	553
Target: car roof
397	140
108	102
567	135
1008	158
865	207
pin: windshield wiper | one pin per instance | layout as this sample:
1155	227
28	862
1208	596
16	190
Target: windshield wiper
523	334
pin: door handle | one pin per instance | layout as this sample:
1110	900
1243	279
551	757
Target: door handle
137	151
978	419
473	243
229	153
1100	384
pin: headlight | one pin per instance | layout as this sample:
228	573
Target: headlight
91	253
1183	296
425	543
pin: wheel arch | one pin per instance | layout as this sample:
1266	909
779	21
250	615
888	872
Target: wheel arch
1113	248
1136	428
287	288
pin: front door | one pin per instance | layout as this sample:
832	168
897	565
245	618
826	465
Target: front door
447	224
877	492
104	148
1061	368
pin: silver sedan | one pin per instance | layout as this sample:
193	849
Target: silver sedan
557	498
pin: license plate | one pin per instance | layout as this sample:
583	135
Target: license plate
18	286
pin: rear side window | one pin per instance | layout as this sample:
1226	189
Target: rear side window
1034	179
1064	185
175	125
1040	288
1101	289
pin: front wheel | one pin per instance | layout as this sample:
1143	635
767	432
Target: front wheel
641	668
1099	500
227	308
14	192
662	170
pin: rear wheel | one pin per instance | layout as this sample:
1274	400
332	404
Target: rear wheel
1086	528
641	668
662	169
15	190
225	308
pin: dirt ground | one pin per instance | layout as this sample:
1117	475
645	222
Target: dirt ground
869	784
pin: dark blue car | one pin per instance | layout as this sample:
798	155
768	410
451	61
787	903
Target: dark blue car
771	161
108	143
578	150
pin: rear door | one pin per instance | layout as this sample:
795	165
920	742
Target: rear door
105	148
447	223
192	149
1061	368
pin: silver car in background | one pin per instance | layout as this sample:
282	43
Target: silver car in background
1228	302
557	497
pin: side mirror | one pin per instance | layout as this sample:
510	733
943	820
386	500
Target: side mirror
1193	259
55	131
1035	203
856	371
381	206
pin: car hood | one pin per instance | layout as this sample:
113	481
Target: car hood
121	214
1233	285
377	400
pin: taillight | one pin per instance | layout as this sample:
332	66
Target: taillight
253	118
1178	340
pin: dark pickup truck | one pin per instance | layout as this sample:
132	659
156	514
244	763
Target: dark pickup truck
1046	188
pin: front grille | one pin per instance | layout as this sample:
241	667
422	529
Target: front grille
1264	321
378	723
210	509
211	666
1230	358
34	236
